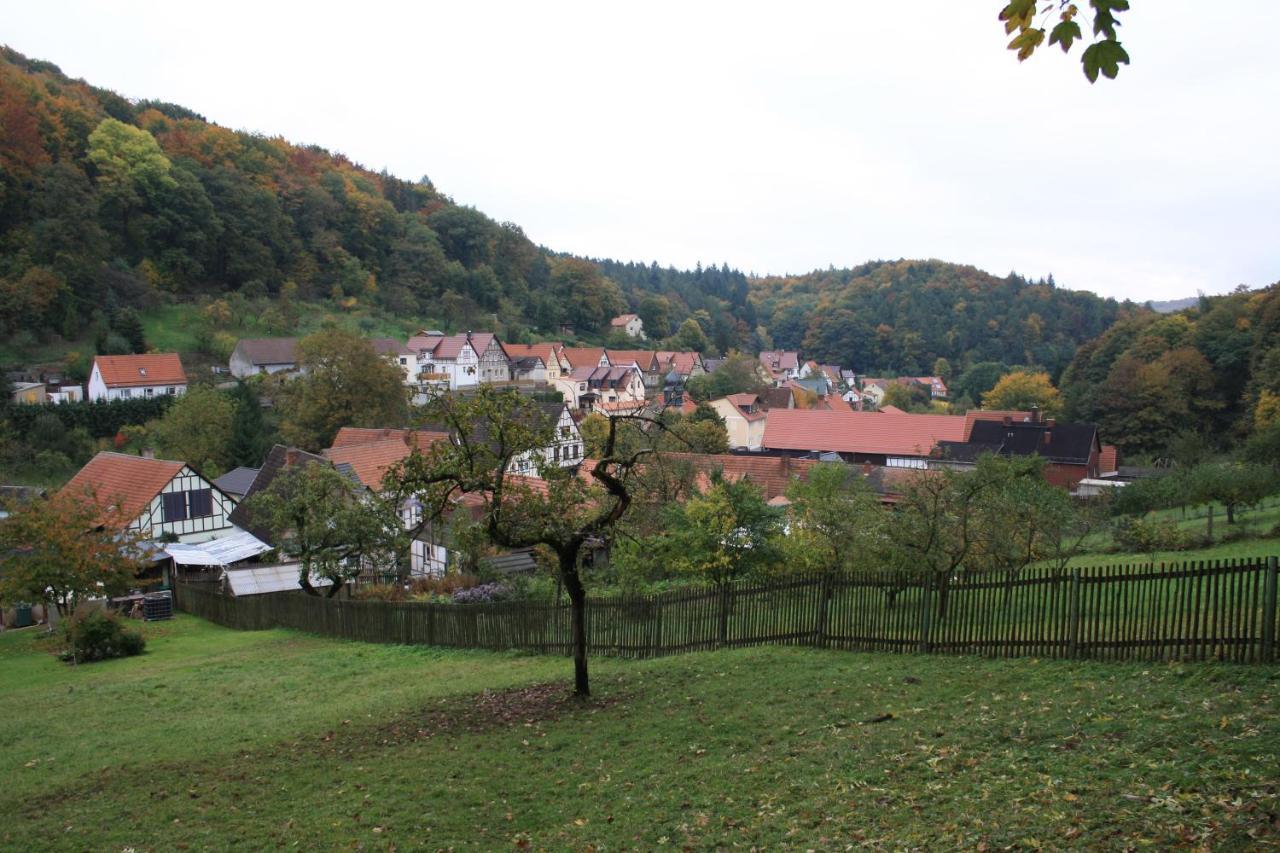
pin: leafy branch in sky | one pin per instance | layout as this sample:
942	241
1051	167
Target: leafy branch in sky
1103	56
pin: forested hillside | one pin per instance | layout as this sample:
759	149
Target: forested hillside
108	205
898	317
1184	384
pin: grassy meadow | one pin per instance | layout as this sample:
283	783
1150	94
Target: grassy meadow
216	738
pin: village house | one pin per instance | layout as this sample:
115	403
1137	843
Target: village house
530	369
781	364
602	389
688	364
646	360
744	420
629	323
157	498
263	355
554	363
444	362
122	377
585	357
398	354
1072	452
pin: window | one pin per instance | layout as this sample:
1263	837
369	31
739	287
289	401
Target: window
148	391
174	507
201	503
555	454
172	390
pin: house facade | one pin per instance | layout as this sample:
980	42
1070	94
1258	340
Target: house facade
492	363
744	420
781	364
597	388
444	362
159	497
124	377
549	353
565	450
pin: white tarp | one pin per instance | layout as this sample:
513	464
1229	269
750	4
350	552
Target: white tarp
256	580
223	551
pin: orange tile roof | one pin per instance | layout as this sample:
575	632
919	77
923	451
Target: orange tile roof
370	462
583	356
546	352
623	319
847	431
646	359
128	483
153	368
349	436
773	474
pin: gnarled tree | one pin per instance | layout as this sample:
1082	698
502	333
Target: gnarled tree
563	509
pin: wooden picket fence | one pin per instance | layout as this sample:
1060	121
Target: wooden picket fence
1224	610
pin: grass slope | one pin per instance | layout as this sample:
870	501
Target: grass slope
216	738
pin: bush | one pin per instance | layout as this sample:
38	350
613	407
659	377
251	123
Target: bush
1147	536
445	586
94	635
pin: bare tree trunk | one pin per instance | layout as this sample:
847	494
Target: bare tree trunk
578	611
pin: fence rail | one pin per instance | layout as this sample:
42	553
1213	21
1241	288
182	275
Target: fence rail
1224	610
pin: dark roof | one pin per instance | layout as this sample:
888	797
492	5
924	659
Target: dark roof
278	459
1067	443
236	481
269	350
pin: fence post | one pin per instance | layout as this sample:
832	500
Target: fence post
724	615
820	619
926	612
1073	627
1269	612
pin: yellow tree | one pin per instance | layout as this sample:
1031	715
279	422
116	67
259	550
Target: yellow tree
1021	390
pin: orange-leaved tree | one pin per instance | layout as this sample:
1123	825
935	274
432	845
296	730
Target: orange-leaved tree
65	548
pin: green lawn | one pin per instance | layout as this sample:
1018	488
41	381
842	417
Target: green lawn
216	739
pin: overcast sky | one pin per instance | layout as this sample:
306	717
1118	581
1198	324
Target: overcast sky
777	137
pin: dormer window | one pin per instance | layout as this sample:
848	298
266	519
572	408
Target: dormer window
142	371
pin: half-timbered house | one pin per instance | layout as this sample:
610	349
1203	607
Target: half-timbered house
164	499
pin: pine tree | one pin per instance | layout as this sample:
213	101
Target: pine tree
249	439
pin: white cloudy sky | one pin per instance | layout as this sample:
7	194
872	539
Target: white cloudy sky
779	137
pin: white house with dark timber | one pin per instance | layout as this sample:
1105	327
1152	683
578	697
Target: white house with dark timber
158	497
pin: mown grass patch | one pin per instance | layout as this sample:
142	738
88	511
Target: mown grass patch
217	738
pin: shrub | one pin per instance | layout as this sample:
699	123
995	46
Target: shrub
1148	535
446	585
379	592
486	593
94	635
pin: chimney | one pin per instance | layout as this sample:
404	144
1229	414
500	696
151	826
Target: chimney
866	469
1035	414
1008	420
1049	422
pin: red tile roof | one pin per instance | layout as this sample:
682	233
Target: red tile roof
622	319
546	352
647	360
371	461
128	483
681	362
846	431
349	436
583	356
154	368
773	474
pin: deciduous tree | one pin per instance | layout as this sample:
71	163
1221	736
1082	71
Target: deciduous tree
65	548
345	382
